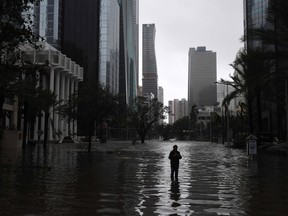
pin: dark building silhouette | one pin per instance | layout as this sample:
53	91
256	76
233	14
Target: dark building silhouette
150	75
271	115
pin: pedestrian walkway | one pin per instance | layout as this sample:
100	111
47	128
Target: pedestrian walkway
118	178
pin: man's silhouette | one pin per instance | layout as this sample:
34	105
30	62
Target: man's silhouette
174	157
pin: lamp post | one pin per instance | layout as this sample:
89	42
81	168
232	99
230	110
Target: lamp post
226	111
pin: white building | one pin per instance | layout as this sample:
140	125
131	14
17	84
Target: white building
63	79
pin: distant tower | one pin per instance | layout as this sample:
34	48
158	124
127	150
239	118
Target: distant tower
202	74
161	94
149	65
178	109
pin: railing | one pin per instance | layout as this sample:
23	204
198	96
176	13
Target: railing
56	58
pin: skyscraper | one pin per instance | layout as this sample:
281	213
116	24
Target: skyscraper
47	21
128	50
109	44
269	109
80	35
161	94
99	35
255	14
178	109
202	74
149	64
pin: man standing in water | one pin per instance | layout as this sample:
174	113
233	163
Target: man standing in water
174	157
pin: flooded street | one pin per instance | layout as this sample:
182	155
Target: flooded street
124	179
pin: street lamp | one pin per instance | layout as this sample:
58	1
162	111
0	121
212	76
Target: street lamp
226	111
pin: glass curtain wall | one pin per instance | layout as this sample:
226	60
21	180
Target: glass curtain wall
128	58
48	21
109	44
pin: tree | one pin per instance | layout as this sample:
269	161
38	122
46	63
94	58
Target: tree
166	131
97	105
144	113
254	71
15	30
180	127
193	116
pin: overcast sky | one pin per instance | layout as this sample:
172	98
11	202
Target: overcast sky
181	24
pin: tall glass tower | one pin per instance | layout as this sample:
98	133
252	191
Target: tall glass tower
255	14
128	50
149	64
48	21
109	44
270	109
202	72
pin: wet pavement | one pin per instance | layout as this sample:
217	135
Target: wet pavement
123	179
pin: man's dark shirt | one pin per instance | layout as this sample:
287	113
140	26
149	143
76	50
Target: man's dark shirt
174	157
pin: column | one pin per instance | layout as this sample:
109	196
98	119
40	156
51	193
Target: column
62	94
71	93
57	88
51	134
67	95
75	122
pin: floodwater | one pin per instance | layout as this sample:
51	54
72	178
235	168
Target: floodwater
124	179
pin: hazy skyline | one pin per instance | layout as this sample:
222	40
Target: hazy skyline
181	24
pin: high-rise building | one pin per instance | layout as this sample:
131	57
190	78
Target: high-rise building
178	109
80	35
161	94
128	50
47	21
255	14
109	44
202	74
99	35
136	37
267	106
149	64
161	99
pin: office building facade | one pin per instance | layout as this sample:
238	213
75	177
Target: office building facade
128	51
177	110
47	21
202	75
99	35
272	110
149	64
161	94
109	44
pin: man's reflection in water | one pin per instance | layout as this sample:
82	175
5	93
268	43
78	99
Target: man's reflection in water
175	193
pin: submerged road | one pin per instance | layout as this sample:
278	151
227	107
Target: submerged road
118	178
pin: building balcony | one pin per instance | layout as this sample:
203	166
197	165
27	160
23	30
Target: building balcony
49	55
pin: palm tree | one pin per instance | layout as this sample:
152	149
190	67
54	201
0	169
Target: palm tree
254	71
